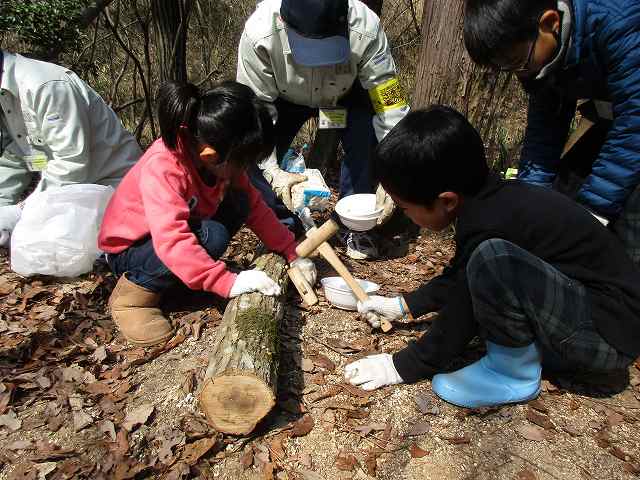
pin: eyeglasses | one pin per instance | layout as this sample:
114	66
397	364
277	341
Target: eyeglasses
525	66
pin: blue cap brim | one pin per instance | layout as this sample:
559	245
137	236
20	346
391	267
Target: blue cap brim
318	52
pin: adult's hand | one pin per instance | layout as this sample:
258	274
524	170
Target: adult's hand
384	201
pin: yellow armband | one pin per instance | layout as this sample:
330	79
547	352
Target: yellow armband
387	96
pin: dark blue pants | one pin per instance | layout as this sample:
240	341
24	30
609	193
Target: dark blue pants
358	141
142	265
519	299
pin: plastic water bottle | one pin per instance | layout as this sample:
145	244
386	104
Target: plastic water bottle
293	161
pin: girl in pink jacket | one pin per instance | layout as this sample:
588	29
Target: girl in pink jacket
174	213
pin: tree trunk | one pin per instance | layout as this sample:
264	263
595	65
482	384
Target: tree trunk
492	101
240	383
170	24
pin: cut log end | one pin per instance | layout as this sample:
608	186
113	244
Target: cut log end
235	403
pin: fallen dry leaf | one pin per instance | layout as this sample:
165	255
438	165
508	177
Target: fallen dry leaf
276	448
194	451
367	429
620	454
246	460
267	471
307	365
539	405
425	404
525	475
137	416
81	419
311	475
463	440
532	432
371	463
11	421
322	361
306	460
97	388
614	418
540	419
355	391
106	427
345	462
99	355
417	452
332	391
303	426
419	428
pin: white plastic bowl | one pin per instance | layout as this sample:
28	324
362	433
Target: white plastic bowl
358	212
340	295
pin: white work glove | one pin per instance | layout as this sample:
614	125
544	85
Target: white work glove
280	180
377	308
373	372
384	201
254	281
307	268
9	216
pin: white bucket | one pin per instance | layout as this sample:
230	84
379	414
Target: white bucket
358	212
340	295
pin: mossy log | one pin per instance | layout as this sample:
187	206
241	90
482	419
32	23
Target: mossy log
239	388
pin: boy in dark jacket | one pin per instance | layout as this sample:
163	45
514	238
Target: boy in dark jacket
562	51
534	273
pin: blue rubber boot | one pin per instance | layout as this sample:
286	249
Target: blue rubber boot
504	375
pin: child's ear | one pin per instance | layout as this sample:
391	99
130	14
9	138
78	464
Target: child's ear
450	201
550	22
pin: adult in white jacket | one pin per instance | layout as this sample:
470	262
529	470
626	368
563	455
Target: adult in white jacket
325	58
54	124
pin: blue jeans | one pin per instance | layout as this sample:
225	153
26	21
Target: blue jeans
142	265
358	141
519	299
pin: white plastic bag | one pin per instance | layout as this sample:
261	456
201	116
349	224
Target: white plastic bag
58	231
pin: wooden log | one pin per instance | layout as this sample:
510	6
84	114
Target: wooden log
240	384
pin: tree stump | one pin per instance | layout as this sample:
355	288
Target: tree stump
239	388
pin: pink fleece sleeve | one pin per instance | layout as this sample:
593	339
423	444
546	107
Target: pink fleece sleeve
163	194
264	223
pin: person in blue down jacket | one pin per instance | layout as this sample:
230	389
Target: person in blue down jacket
563	51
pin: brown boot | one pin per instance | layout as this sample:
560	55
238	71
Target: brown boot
135	311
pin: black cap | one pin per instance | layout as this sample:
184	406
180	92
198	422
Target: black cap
318	30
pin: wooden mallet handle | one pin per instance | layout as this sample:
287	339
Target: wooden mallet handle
304	289
330	256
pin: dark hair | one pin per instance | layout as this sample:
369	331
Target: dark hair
229	117
428	152
493	27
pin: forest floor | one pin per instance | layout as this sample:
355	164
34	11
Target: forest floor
77	402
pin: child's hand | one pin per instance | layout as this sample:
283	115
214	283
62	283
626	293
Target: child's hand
377	307
254	281
307	268
373	372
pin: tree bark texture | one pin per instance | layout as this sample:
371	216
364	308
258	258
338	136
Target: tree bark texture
240	383
170	24
492	101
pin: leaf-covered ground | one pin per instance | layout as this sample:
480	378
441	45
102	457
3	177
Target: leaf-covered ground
77	402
